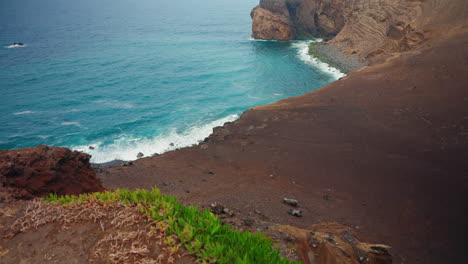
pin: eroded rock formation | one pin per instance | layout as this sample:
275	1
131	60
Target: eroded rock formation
368	28
33	172
332	243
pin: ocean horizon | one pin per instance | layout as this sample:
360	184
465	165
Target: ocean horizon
149	76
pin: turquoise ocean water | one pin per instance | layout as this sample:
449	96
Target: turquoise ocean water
129	76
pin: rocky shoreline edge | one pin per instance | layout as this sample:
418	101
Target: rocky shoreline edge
333	56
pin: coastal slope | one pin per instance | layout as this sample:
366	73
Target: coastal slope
382	150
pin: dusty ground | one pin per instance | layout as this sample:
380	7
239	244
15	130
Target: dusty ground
383	150
41	232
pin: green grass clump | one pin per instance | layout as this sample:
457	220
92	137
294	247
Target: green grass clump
313	51
200	231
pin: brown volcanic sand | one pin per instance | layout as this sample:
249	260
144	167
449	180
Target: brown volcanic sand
388	144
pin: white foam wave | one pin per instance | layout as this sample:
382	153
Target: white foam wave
254	39
44	136
71	124
128	148
303	54
23	113
115	104
15	46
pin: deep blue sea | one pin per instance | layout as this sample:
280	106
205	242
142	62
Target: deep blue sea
129	76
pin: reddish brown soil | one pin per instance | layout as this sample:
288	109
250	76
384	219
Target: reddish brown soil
41	232
383	150
34	172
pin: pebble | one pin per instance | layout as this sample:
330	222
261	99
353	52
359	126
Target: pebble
295	212
327	197
140	155
291	202
217	208
248	221
126	163
203	146
228	212
346	63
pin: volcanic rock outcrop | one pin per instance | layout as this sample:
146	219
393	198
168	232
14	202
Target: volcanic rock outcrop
33	172
332	243
367	28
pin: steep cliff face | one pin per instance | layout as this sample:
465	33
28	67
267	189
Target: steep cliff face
271	26
34	172
368	28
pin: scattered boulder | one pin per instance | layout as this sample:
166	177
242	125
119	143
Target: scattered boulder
217	208
39	171
228	212
126	163
219	134
248	221
140	155
204	146
91	147
291	202
295	212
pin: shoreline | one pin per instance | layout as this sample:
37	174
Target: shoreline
291	148
333	56
300	49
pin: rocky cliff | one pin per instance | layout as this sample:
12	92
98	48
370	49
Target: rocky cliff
34	172
368	28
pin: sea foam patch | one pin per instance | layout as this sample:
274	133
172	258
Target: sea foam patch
303	54
127	148
15	46
71	124
24	113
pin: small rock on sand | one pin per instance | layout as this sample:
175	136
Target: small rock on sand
228	212
203	146
295	212
217	208
248	221
126	163
291	202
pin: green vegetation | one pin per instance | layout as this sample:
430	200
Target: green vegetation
313	51
199	231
